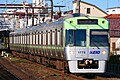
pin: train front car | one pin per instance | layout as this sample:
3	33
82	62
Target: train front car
86	44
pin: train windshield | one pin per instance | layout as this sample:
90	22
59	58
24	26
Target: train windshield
98	38
76	38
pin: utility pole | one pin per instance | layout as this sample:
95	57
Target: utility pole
51	9
77	6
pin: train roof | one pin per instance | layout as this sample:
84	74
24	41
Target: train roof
48	25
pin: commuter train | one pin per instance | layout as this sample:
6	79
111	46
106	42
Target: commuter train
4	40
79	44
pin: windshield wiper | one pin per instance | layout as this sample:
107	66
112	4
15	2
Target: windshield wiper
96	44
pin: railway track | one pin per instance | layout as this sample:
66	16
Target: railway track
41	72
6	75
15	71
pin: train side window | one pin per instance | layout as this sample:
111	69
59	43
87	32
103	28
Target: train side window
13	39
34	38
18	39
40	38
21	38
25	38
31	38
53	38
37	38
44	38
10	39
58	37
48	38
61	34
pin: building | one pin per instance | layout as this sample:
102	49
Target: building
26	15
114	33
88	9
114	10
38	2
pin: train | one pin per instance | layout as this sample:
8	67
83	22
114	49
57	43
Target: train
78	44
4	40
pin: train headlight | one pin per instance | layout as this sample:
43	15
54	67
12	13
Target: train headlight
103	52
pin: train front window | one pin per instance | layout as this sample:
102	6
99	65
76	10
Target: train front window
76	38
98	38
80	38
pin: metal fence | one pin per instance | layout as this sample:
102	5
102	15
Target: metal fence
113	68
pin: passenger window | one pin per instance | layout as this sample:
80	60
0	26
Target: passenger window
48	38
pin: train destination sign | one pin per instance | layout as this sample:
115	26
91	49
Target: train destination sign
87	21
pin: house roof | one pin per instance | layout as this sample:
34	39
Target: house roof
113	16
114	24
90	5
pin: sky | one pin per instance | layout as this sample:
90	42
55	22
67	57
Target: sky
102	4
